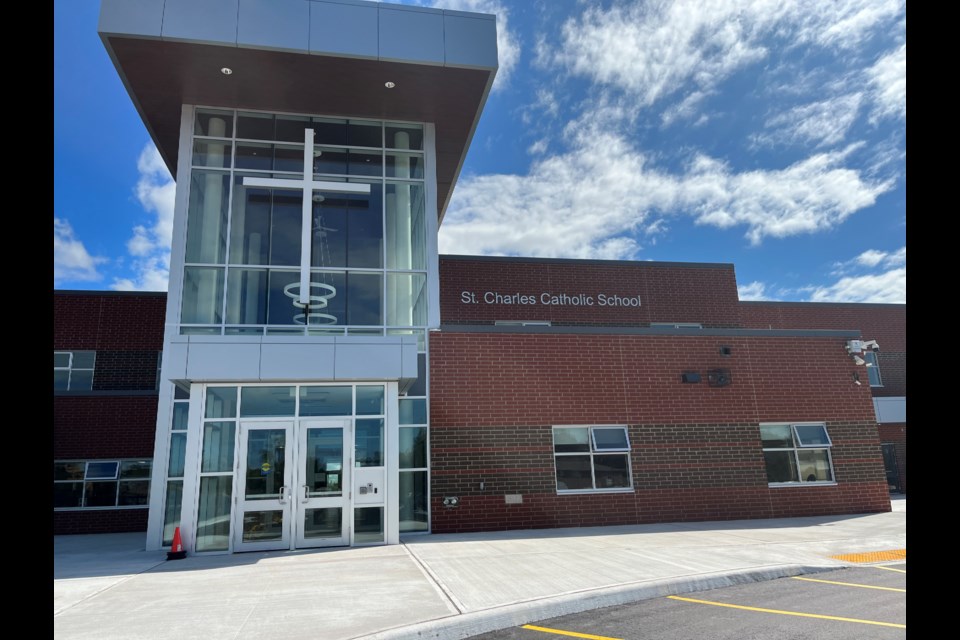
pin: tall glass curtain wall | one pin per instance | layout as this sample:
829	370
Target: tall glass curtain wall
368	263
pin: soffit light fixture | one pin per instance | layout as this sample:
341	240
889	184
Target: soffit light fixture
226	71
389	85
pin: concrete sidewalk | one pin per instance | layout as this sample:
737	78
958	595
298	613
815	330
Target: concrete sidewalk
437	586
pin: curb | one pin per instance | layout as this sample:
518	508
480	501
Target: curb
474	623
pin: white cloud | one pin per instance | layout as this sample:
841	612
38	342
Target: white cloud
576	204
150	245
71	260
685	109
756	290
889	286
538	148
887	283
821	123
810	195
545	106
872	258
889	79
508	46
653	49
153	274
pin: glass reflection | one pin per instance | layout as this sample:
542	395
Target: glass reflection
324	462
266	458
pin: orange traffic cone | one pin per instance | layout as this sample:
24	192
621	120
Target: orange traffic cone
176	549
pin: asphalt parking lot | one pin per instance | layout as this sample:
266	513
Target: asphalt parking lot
868	602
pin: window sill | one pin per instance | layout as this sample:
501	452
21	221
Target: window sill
579	492
780	485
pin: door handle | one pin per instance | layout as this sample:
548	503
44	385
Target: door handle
306	493
280	497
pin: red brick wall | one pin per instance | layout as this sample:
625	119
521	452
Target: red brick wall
97	521
706	294
126	331
896	433
90	427
696	450
885	323
95	320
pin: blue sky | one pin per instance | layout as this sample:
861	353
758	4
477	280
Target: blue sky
770	134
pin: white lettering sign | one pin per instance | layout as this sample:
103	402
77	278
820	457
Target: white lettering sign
549	299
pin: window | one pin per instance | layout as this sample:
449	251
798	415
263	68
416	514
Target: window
797	453
246	243
873	368
87	484
592	458
522	323
73	370
678	325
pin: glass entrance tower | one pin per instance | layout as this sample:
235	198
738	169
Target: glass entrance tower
315	146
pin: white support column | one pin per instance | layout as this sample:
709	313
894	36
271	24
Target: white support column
432	225
191	469
161	442
391	511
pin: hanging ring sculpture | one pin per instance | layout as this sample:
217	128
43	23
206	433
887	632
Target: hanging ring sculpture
320	294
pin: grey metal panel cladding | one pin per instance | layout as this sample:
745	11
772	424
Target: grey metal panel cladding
131	17
344	29
410	360
224	361
415	36
470	42
368	361
175	360
274	24
297	361
211	21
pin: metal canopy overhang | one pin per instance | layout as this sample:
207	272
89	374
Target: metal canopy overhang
160	76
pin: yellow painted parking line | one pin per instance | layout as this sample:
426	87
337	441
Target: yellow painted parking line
850	584
790	613
873	556
572	634
891	569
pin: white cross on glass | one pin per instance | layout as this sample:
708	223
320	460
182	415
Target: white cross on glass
308	185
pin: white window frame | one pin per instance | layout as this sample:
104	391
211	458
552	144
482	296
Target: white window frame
116	479
70	368
798	446
593	452
522	323
677	325
873	368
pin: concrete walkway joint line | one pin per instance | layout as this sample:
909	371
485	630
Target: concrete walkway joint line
438	586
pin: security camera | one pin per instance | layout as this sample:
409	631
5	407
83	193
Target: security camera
857	360
871	344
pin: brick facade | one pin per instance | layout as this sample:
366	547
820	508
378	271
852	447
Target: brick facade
668	292
98	427
494	396
695	449
885	323
118	418
99	521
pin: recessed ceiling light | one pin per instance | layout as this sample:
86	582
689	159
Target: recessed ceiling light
226	71
389	85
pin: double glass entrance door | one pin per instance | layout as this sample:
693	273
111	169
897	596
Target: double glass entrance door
293	485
